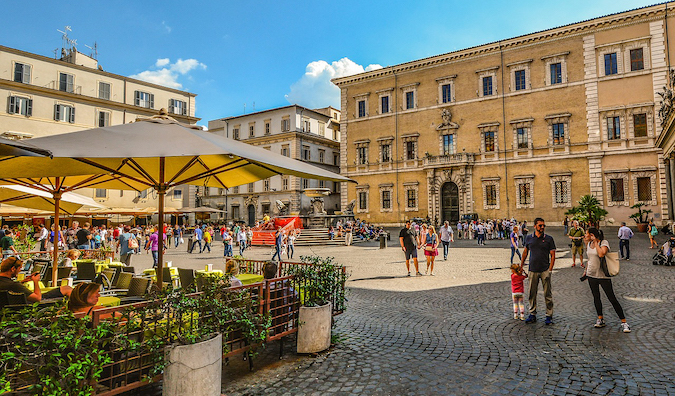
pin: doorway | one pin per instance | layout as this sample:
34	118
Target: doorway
251	215
450	203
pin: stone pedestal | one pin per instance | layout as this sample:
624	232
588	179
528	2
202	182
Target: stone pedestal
314	330
194	370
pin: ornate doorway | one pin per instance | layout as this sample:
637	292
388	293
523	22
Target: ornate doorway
251	215
449	202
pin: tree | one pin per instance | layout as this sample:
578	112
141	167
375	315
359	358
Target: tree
588	211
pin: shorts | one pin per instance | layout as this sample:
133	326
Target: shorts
577	250
410	253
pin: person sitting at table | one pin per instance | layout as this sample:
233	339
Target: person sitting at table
10	268
232	270
84	298
72	254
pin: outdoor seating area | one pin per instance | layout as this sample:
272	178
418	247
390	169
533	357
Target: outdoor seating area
147	321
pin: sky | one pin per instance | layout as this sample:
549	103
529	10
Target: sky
240	56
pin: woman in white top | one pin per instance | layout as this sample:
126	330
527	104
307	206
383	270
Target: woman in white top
241	238
290	242
598	247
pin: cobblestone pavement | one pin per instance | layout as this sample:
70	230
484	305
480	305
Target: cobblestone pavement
455	334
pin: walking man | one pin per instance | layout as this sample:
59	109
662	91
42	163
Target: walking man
199	234
407	237
278	241
542	260
625	234
447	236
577	234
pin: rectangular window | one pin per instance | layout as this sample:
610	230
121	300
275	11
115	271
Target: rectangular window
305	184
307	126
487	86
235	212
284	183
101	193
410	150
386	153
22	73
637	61
524	194
521	137
177	107
103	119
362	108
235	190
446	91
336	159
284	151
520	79
322	129
251	131
285	125
322	156
640	125
644	189
66	82
336	187
561	192
251	187
306	154
267	128
144	99
491	195
610	64
556	73
19	105
386	199
362	155
103	90
409	100
384	104
616	187
613	128
177	194
363	200
448	144
235	133
64	113
558	134
411	199
266	185
489	138
322	183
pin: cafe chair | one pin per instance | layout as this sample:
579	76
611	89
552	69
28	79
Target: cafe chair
5	298
121	287
86	271
168	278
187	277
129	269
63	272
14	298
137	290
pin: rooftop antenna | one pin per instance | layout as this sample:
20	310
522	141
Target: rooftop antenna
94	50
55	51
68	43
254	107
244	108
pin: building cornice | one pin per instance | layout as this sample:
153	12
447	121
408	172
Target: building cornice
290	137
611	21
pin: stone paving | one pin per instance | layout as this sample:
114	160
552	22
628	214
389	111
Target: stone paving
454	333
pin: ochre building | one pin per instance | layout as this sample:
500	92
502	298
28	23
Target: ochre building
517	128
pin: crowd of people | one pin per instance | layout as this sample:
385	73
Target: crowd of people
354	228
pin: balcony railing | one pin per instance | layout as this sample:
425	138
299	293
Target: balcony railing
450	159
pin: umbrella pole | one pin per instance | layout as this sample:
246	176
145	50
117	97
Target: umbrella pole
57	234
161	191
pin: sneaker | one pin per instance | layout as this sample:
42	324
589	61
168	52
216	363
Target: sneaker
599	323
531	319
419	274
522	317
515	316
408	273
625	327
548	321
432	274
627	259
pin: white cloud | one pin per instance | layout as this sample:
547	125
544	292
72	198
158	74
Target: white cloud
314	88
167	73
166	27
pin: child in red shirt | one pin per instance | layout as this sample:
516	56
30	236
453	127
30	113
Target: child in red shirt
517	290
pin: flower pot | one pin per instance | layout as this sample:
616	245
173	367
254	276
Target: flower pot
642	227
314	330
194	369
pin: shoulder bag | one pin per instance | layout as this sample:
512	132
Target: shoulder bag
610	264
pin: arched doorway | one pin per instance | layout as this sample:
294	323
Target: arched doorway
251	215
450	202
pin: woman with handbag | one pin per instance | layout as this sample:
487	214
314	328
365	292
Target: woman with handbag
431	248
597	248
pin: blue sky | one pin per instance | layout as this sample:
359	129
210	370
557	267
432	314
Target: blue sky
236	53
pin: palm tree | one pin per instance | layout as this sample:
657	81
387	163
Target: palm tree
588	211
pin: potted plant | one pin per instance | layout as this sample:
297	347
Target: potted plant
588	211
319	281
641	217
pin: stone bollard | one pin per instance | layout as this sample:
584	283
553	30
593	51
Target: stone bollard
315	328
194	370
383	241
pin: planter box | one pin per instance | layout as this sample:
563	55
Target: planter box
642	227
194	370
314	331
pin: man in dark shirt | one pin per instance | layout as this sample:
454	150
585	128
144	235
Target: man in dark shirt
407	238
10	268
83	237
542	258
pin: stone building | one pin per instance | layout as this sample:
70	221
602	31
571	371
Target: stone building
522	127
297	132
47	96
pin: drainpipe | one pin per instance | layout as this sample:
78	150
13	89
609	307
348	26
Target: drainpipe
396	143
506	168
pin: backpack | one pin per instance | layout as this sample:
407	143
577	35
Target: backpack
654	230
133	242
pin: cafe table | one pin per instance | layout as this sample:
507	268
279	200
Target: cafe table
108	301
43	289
247	279
215	272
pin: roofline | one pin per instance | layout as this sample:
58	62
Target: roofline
268	110
84	68
510	42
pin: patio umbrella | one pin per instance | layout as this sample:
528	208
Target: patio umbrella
20	148
32	198
156	152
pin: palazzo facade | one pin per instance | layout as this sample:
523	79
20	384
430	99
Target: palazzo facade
518	128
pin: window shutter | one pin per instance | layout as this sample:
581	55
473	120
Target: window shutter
72	115
184	108
57	112
171	106
152	101
29	108
11	104
26	74
137	98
